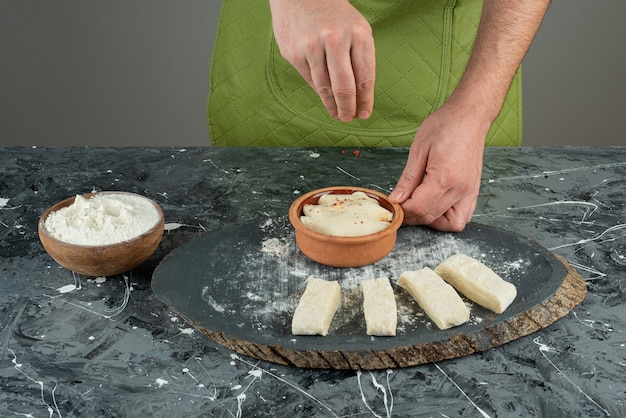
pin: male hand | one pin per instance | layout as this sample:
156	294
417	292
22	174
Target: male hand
441	180
331	45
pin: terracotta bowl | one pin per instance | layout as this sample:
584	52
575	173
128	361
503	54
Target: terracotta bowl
102	260
345	251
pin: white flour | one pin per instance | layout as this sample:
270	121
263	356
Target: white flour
102	219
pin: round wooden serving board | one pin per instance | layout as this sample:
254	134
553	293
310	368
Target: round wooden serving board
240	285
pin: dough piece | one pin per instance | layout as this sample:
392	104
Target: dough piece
316	308
346	215
477	282
437	298
379	307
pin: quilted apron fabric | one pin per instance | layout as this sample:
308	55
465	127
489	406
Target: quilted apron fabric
422	46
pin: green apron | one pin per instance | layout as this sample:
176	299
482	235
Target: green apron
422	46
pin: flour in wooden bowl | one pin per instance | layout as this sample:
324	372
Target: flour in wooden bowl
102	219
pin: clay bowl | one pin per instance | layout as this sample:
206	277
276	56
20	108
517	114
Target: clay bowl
102	260
345	251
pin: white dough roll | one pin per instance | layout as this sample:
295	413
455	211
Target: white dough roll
438	299
477	282
379	307
316	308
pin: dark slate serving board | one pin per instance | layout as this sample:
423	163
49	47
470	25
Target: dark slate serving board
240	284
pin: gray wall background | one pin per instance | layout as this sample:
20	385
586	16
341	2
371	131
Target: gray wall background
121	73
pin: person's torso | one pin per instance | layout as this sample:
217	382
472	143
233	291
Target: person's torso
422	47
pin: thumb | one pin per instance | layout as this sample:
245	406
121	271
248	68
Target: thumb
411	177
409	180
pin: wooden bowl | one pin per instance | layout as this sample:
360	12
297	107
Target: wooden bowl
338	251
102	260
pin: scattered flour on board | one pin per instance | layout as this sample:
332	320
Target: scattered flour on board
274	246
270	279
211	301
280	271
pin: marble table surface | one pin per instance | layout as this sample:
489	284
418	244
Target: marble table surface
78	346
